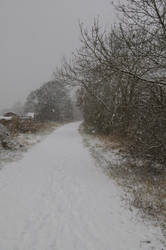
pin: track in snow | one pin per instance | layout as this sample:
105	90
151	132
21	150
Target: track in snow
56	199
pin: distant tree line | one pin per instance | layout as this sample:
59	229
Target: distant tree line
122	77
50	102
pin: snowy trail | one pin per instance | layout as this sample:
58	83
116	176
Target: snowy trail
55	198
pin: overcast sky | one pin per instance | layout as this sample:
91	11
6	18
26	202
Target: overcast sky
35	35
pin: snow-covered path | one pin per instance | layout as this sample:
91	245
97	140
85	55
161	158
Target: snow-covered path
55	198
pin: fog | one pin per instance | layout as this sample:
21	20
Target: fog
35	35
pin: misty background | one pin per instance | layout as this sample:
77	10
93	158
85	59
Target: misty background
35	35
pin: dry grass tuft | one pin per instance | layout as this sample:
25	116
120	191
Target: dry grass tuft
143	181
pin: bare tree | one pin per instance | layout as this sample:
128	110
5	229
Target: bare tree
122	76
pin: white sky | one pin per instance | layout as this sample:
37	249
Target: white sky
35	35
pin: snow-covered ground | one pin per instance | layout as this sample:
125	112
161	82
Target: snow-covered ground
55	198
21	144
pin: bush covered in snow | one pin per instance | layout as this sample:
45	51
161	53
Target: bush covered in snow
6	139
4	132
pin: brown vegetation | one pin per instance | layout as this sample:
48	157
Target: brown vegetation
145	181
16	126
